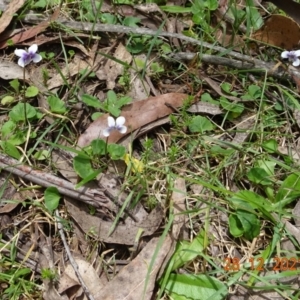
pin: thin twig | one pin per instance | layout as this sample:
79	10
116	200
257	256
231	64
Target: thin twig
94	197
87	27
255	66
71	259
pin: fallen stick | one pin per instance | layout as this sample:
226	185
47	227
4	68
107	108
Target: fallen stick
94	197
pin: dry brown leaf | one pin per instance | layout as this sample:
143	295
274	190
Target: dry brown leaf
131	283
139	89
131	280
113	69
31	32
125	232
10	70
229	40
90	277
216	87
178	198
279	31
205	108
70	70
137	114
7	16
291	7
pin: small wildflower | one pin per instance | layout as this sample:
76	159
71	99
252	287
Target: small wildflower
113	124
292	57
27	57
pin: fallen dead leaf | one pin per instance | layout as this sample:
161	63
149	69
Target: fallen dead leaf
10	70
137	280
7	16
139	88
89	275
216	87
70	70
290	7
31	32
205	108
137	114
279	31
125	232
114	68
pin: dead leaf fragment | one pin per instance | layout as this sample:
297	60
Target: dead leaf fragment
7	16
88	274
137	114
31	32
113	68
279	31
205	108
10	70
125	232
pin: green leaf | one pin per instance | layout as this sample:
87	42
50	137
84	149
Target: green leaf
41	155
52	197
186	251
56	105
255	91
231	106
91	101
176	9
226	87
200	124
131	21
31	91
123	101
259	176
250	201
96	115
244	223
196	286
7	100
8	128
116	151
270	145
15	84
18	138
290	189
267	165
111	97
255	17
82	165
114	110
17	112
235	226
10	149
88	178
98	147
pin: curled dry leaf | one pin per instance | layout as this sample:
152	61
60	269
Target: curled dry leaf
205	108
69	280
131	282
31	32
114	68
9	13
125	232
137	114
279	31
10	70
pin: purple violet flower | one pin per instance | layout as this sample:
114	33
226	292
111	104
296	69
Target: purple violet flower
28	57
292	56
113	124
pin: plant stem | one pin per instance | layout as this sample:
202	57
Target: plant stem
24	98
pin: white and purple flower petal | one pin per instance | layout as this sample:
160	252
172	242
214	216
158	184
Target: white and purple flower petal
113	124
292	56
27	57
